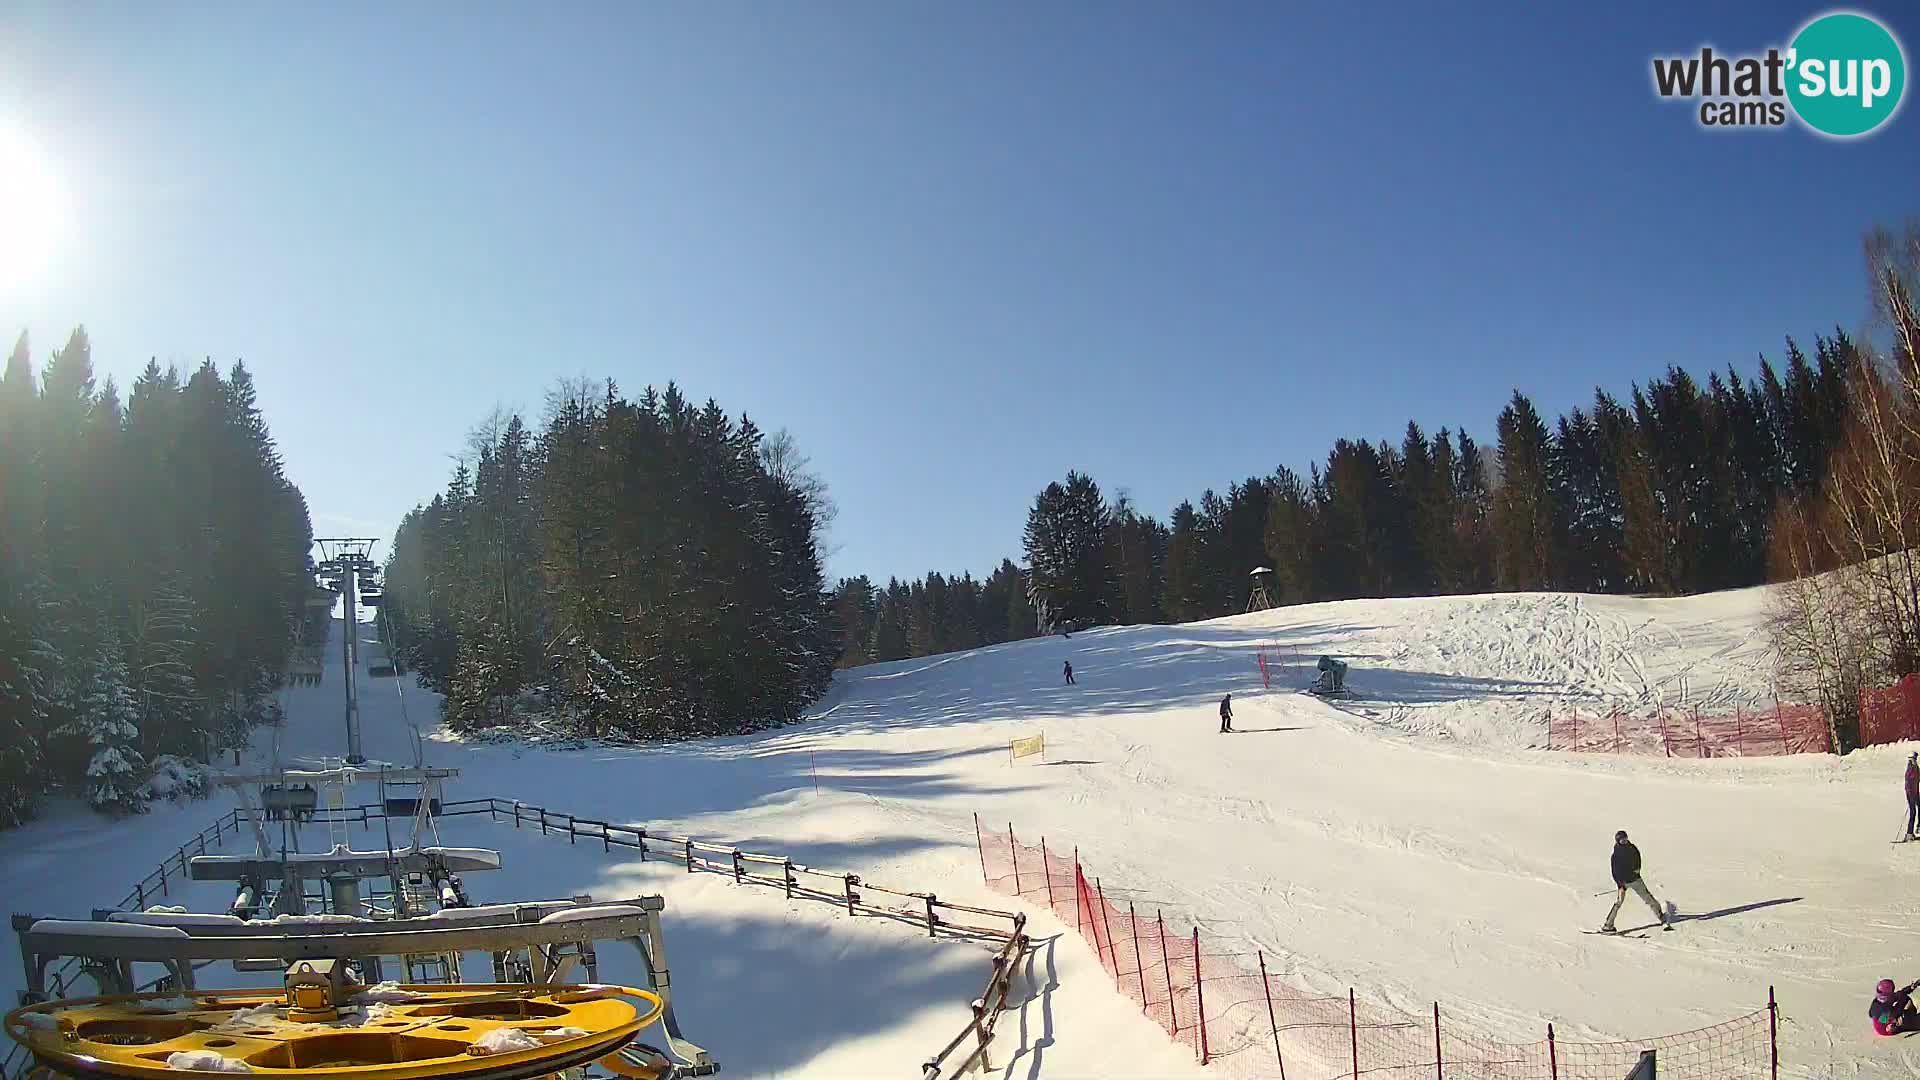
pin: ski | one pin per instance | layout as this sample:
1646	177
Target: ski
1616	933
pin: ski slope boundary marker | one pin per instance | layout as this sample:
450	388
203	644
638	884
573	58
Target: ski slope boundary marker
1323	1037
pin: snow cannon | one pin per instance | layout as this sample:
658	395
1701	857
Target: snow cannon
1332	681
383	1032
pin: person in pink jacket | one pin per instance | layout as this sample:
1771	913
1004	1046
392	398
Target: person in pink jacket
1892	1009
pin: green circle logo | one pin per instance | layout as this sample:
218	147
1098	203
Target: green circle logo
1846	74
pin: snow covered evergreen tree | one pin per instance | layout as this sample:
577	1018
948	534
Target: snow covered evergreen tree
106	717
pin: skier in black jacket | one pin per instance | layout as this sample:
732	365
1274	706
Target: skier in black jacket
1226	714
1626	875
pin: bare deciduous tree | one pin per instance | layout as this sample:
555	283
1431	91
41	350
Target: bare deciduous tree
1848	616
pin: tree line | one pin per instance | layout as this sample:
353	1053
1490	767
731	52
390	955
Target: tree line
1681	486
154	573
642	568
1673	490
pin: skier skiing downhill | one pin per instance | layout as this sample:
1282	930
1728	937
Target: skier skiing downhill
1892	1009
1913	796
1226	714
1626	875
1069	672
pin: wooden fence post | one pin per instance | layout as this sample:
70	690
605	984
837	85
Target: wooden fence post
852	897
980	1030
1166	966
1353	1027
1553	1056
1078	882
1139	961
1107	923
163	879
543	821
1013	848
1773	1034
1272	1024
641	836
786	869
1200	998
1047	869
980	845
1439	1065
570	830
606	837
689	854
739	868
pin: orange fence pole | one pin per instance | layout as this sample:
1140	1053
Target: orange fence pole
1439	1067
1112	950
1046	867
981	846
1272	1024
1353	1026
1199	997
1013	848
1166	965
1140	960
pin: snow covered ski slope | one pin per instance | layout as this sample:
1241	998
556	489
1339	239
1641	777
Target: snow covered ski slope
1409	842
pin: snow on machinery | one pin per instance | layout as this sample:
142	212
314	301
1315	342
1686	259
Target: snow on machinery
326	1020
330	923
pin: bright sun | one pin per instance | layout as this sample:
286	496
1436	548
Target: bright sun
32	206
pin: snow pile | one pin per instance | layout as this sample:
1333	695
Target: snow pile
205	1061
387	993
597	911
258	1016
174	778
503	1040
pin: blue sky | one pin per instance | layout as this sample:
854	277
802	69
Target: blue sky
956	249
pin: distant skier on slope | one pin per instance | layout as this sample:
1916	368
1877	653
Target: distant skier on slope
1226	713
1069	671
1892	1009
1626	875
1913	796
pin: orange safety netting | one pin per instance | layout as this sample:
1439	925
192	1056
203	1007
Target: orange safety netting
1225	1004
1677	732
1890	714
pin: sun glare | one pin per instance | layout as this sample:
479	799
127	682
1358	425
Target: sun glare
32	205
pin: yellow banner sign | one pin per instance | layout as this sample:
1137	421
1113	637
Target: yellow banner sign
1027	747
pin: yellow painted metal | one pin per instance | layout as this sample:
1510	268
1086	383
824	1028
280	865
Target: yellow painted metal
428	1036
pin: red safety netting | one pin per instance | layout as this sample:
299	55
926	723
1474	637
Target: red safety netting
1227	1004
1679	732
1891	714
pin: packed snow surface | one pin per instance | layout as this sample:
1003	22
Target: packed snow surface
1413	841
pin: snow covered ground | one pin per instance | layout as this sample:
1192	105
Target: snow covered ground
1408	842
